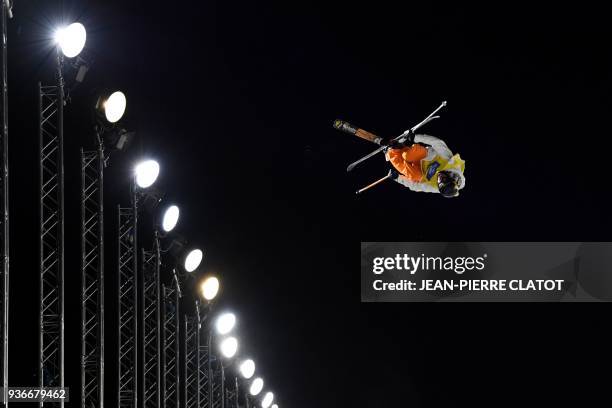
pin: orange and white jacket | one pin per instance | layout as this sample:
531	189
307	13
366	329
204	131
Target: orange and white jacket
419	165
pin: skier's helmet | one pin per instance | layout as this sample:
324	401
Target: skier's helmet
448	183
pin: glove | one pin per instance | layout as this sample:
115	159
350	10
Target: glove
407	140
394	174
391	144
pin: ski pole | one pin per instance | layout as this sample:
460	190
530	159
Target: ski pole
356	131
369	186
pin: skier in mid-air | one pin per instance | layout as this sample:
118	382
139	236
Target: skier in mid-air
420	162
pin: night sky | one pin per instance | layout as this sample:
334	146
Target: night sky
236	101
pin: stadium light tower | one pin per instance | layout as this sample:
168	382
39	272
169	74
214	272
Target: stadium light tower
197	368
167	382
209	291
148	314
69	43
108	111
155	338
228	348
171	352
144	176
201	389
187	261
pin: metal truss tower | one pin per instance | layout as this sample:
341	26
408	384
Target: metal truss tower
218	382
51	317
192	351
92	278
231	394
150	327
4	210
204	364
170	346
127	308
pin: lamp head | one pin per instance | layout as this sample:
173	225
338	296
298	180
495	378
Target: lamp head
256	386
112	106
247	369
229	347
170	218
193	260
209	288
146	173
267	400
225	323
71	39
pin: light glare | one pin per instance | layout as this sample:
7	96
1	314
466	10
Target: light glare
114	106
171	217
267	400
193	259
225	323
71	39
256	386
229	347
247	368
210	288
146	173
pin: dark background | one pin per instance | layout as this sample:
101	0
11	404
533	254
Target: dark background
236	100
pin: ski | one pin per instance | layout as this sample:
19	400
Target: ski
399	138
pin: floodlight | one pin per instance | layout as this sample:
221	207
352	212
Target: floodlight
225	323
209	288
229	347
274	406
71	39
193	260
256	386
114	106
146	173
247	368
187	258
170	218
267	400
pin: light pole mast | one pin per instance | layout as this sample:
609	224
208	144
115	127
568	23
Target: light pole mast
92	276
127	380
171	353
150	327
51	316
4	209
